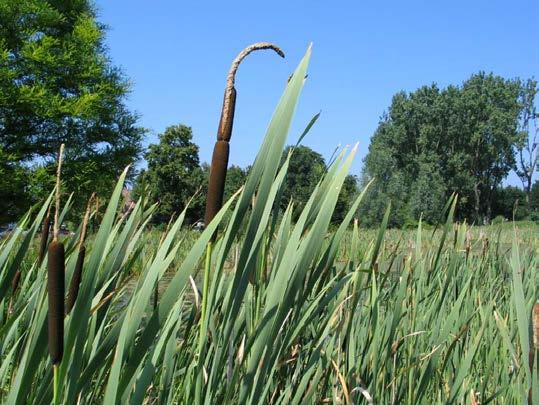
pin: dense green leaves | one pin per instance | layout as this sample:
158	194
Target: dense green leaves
173	176
295	313
57	85
434	142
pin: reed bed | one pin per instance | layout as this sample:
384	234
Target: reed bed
308	313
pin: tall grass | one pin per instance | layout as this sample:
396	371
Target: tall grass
308	314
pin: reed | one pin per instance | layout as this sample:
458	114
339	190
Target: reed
55	287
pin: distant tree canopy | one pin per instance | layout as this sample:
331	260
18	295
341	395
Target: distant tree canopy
434	142
174	174
305	170
57	85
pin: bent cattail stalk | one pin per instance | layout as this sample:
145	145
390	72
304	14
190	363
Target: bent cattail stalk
219	162
55	282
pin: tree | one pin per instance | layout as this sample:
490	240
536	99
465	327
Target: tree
349	191
510	202
235	178
528	147
434	142
14	178
305	170
534	197
57	85
174	176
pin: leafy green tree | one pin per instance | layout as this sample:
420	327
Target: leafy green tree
428	193
174	176
349	191
510	202
527	147
304	172
534	197
235	178
14	179
57	85
434	142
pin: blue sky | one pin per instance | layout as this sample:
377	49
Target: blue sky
177	55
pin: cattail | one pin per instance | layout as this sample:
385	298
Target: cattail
534	347
535	325
55	282
216	185
56	273
75	281
14	287
77	273
15	282
534	344
219	164
44	238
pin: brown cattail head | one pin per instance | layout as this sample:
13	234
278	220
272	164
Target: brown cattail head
535	325
56	272
75	281
44	238
15	282
216	184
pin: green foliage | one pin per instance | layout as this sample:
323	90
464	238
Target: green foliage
14	178
498	220
347	195
235	178
174	176
510	202
527	147
305	169
433	143
57	85
294	312
534	197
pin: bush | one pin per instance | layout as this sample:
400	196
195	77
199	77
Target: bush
500	219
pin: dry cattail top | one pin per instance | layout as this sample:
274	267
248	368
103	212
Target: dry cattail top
230	80
221	150
56	231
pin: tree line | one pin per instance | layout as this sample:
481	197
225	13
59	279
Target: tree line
58	85
463	139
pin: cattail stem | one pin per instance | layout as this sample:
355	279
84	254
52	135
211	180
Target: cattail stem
44	237
55	383
56	230
56	272
55	282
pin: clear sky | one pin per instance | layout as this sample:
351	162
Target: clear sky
177	54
